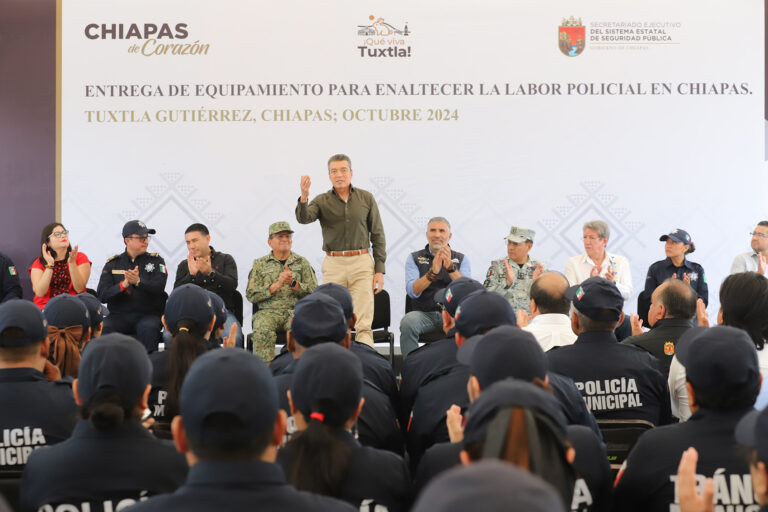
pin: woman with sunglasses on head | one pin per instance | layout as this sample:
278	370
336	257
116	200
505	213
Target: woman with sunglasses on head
60	268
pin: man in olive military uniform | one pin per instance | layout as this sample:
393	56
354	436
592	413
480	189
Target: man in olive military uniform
513	276
132	285
275	283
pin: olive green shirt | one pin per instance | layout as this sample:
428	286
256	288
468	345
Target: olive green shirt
346	226
267	270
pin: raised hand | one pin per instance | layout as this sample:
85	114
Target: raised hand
510	272
305	182
47	256
701	313
73	255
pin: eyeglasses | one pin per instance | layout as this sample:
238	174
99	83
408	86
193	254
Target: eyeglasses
141	238
761	235
60	234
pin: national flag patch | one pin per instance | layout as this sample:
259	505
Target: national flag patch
162	269
579	293
12	271
448	296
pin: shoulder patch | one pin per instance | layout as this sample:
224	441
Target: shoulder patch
113	257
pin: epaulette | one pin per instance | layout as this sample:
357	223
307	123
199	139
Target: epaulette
153	254
113	257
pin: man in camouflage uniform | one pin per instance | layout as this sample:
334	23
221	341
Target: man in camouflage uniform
512	276
275	283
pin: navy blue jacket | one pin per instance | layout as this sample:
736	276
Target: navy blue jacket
617	381
647	480
240	485
664	269
101	468
33	413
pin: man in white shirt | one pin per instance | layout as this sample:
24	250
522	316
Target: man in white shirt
549	321
754	260
596	261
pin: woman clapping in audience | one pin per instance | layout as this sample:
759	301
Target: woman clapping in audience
59	269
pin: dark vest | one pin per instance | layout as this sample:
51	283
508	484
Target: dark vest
423	260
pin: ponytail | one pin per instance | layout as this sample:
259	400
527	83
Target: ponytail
106	409
321	460
186	345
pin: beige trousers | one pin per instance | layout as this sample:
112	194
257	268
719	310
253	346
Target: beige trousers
355	273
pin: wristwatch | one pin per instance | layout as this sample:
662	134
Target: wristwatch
294	283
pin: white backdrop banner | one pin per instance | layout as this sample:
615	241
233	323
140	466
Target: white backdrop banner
491	113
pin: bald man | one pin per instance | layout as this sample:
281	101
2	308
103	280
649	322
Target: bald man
673	306
549	321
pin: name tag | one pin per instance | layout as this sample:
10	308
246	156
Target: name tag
115	271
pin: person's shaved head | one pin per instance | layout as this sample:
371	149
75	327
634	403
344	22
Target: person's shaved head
548	292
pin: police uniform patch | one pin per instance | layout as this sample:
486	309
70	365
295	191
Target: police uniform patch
694	276
448	296
149	267
669	348
12	271
162	269
579	293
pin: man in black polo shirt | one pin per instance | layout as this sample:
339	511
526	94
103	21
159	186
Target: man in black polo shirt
673	306
617	381
427	271
212	270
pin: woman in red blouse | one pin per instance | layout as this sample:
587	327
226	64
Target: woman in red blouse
59	269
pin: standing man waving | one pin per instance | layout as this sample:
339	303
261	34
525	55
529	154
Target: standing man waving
351	226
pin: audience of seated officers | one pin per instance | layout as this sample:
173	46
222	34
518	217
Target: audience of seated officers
508	352
230	440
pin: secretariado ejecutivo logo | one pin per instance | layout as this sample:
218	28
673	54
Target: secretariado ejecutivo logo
382	39
572	36
149	39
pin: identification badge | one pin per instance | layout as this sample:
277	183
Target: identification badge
115	271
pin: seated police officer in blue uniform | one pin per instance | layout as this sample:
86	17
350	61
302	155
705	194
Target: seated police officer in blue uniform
377	425
477	313
35	411
427	271
497	485
326	400
723	382
508	352
521	424
190	319
68	331
433	359
752	433
376	368
229	428
111	460
617	381
96	312
678	244
319	318
132	285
